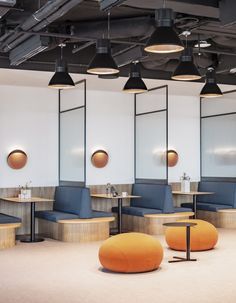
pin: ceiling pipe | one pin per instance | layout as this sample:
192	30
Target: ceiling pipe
48	13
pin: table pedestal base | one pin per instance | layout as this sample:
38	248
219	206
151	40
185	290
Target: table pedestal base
181	259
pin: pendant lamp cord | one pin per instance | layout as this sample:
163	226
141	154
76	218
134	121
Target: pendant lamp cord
164	4
108	24
199	51
62	45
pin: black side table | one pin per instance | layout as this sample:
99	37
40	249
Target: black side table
188	225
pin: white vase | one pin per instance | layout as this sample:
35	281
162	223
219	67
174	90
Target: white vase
185	186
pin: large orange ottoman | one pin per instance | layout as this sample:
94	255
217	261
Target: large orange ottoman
130	253
204	236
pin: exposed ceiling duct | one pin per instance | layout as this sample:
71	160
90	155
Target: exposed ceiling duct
28	49
5	6
48	13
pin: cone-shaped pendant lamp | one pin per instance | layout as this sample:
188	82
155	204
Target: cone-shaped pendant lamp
103	63
164	39
135	83
61	79
211	89
186	69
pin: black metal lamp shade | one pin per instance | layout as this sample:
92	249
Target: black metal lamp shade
61	79
135	83
164	39
211	89
186	70
103	63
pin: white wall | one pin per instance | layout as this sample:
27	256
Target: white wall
184	136
110	126
28	121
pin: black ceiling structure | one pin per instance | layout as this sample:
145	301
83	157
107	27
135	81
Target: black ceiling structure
30	32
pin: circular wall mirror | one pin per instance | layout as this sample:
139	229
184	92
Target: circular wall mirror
99	158
17	159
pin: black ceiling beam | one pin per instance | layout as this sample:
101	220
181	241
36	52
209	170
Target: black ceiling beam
109	4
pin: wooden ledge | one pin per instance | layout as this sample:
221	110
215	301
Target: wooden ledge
227	210
181	214
85	221
9	225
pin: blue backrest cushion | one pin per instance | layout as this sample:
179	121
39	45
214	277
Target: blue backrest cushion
157	196
74	200
224	193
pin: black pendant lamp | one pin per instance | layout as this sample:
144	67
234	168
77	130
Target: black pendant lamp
61	79
135	83
103	62
164	39
211	89
186	70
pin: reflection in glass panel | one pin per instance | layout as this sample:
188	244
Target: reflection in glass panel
219	146
71	98
221	105
72	145
151	101
151	146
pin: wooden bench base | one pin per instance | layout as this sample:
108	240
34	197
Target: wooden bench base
152	224
8	235
76	230
224	218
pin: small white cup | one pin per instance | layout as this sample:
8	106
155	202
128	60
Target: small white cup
124	194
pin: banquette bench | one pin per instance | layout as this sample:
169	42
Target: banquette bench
155	207
8	224
72	218
218	208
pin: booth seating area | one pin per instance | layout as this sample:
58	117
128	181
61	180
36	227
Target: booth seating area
218	208
154	207
72	218
8	225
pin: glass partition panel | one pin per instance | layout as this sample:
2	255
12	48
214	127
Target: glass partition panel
220	105
72	145
151	146
73	98
153	100
219	146
72	135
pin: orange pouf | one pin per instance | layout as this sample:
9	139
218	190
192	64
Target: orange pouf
204	236
131	252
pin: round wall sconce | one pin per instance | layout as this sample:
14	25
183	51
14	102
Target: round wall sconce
99	158
173	158
17	159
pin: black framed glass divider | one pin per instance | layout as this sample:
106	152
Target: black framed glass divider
218	138
72	135
151	136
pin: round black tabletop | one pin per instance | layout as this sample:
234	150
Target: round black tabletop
180	224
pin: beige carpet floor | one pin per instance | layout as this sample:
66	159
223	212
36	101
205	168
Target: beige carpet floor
55	272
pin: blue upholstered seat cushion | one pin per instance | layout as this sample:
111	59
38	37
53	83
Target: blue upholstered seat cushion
101	214
153	196
207	206
74	200
182	209
4	219
224	193
137	211
52	215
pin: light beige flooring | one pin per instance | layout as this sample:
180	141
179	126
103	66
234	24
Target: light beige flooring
55	272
